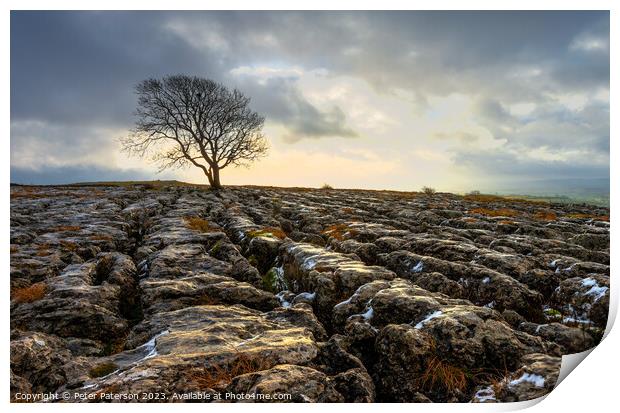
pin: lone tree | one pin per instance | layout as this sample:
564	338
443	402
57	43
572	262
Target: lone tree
186	120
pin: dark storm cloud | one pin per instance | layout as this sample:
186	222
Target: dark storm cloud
81	67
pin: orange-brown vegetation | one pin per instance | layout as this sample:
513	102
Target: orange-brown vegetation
268	231
199	224
27	192
545	216
69	245
33	192
501	212
486	198
338	231
29	294
101	238
442	377
66	228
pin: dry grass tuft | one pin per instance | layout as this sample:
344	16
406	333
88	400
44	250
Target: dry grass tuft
428	190
28	193
220	376
268	231
63	228
347	210
199	224
69	245
545	216
101	238
442	377
338	231
29	294
501	212
327	186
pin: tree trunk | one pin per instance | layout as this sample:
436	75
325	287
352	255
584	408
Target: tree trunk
216	179
209	177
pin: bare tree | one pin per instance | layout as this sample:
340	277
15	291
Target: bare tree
186	120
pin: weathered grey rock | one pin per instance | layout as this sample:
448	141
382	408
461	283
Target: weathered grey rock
584	300
570	339
303	384
93	300
179	350
535	379
179	289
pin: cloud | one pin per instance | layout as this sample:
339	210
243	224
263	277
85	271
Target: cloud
528	84
465	137
37	143
51	175
277	94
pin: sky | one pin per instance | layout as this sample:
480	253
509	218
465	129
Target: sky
513	102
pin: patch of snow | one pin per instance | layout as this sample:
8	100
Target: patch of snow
283	302
39	342
307	296
588	282
419	267
463	282
492	304
576	320
151	346
368	314
486	280
345	302
596	290
553	263
538	327
484	395
309	263
244	342
535	379
428	318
